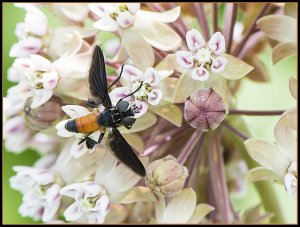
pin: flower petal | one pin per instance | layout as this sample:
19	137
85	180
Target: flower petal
104	171
26	47
160	209
283	51
219	64
133	7
158	34
91	189
40	97
279	27
260	174
72	190
184	88
121	180
200	73
36	21
77	149
290	183
138	194
125	19
267	154
102	204
50	80
235	68
180	209
131	73
73	212
194	40
200	212
118	93
293	87
97	9
107	24
155	96
151	77
139	51
142	107
165	16
61	129
185	59
285	134
217	43
75	111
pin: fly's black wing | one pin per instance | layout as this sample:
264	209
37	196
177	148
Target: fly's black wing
124	152
97	78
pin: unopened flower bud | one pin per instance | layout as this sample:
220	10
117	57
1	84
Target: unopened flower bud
44	116
166	176
204	110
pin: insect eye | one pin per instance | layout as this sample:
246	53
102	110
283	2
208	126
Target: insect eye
122	106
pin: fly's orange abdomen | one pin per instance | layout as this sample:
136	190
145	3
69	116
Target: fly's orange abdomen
84	124
88	123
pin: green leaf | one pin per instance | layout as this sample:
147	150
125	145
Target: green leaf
279	27
168	111
235	68
142	123
283	51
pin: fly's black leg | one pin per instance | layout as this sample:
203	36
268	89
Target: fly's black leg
136	90
85	138
118	78
101	137
91	103
90	143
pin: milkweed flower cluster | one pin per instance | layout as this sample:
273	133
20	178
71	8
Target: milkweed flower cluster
178	71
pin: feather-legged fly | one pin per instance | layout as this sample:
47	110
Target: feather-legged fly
110	119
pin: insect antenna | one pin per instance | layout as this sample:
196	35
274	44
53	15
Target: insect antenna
132	92
116	80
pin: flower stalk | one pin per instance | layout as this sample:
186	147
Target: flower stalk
256	113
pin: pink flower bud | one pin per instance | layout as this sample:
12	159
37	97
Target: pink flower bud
204	110
44	116
166	176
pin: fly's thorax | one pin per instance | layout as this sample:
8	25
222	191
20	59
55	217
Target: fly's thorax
106	118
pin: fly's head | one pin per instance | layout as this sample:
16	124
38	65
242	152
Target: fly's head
127	111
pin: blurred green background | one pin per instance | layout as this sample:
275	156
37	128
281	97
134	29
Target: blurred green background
252	96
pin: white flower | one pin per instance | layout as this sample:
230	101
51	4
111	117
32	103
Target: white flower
139	29
16	73
71	14
278	160
181	209
42	77
30	32
74	111
15	100
41	198
149	93
92	199
114	15
203	57
16	134
111	47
